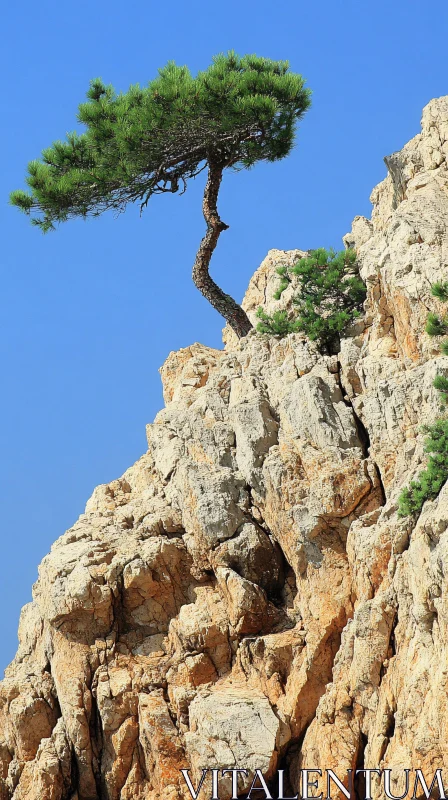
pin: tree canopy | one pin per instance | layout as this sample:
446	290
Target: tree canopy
155	138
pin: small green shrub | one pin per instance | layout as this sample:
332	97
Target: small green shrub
330	298
430	481
441	384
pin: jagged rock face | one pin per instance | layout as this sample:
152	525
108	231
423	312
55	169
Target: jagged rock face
246	595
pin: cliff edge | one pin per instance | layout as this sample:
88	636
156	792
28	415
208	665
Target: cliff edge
246	594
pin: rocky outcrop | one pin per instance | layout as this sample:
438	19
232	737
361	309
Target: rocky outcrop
246	595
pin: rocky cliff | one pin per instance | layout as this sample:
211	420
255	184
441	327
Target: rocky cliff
246	595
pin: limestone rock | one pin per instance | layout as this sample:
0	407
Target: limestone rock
246	594
214	719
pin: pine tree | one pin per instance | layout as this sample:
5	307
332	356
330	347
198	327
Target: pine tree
330	298
149	140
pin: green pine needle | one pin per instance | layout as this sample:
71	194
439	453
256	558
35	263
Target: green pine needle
239	111
330	298
278	324
436	326
440	290
431	480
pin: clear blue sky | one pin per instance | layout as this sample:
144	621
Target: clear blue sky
90	312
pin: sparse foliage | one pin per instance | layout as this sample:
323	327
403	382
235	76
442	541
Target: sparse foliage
430	481
330	297
278	324
154	139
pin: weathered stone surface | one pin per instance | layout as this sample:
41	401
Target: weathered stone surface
215	717
246	594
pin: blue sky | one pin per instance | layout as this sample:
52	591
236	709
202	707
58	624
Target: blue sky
90	312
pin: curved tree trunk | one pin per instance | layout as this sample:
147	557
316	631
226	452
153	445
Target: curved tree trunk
226	305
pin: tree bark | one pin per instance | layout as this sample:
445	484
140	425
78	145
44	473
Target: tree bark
224	303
